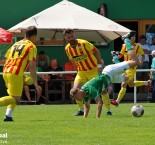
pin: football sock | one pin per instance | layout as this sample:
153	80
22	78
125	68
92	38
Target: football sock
140	83
106	101
80	104
128	44
116	60
10	109
121	94
4	101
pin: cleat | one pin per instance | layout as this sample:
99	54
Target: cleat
149	85
113	102
7	118
109	113
113	53
79	113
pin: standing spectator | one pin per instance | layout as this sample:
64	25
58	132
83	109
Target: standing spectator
43	61
152	47
87	59
18	57
152	76
144	75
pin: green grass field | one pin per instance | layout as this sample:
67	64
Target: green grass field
56	125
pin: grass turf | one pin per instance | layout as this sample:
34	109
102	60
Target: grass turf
56	125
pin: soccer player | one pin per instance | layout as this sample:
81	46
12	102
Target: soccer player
20	56
87	59
95	87
131	72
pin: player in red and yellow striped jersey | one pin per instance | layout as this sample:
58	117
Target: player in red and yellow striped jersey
131	72
86	57
20	56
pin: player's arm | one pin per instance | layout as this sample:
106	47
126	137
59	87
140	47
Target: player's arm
142	60
86	109
99	107
99	60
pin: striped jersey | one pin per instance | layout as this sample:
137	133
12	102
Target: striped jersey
18	57
82	55
137	48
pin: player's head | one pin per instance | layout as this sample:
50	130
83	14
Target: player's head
69	36
77	94
31	33
131	35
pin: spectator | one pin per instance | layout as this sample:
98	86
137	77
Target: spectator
69	77
152	47
54	67
70	67
55	85
144	75
43	61
29	84
152	76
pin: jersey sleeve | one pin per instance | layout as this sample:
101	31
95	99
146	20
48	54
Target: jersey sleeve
33	54
123	49
90	47
67	52
140	51
90	91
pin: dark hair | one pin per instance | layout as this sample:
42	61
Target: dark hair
67	31
142	37
41	52
31	31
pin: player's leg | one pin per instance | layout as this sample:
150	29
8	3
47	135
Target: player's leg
106	101
99	107
15	87
120	94
78	82
105	96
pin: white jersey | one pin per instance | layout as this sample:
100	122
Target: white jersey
145	47
115	71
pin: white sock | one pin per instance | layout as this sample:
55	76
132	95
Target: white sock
118	101
9	112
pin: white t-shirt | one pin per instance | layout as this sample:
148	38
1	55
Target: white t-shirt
152	47
146	47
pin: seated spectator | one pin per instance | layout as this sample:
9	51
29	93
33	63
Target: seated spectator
43	61
69	84
54	85
54	67
28	84
70	67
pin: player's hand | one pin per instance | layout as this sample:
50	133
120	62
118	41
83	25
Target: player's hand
140	63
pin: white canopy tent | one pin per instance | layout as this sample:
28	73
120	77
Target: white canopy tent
87	24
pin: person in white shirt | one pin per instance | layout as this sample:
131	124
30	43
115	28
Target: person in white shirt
152	47
146	65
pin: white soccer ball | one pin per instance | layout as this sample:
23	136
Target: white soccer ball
137	110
